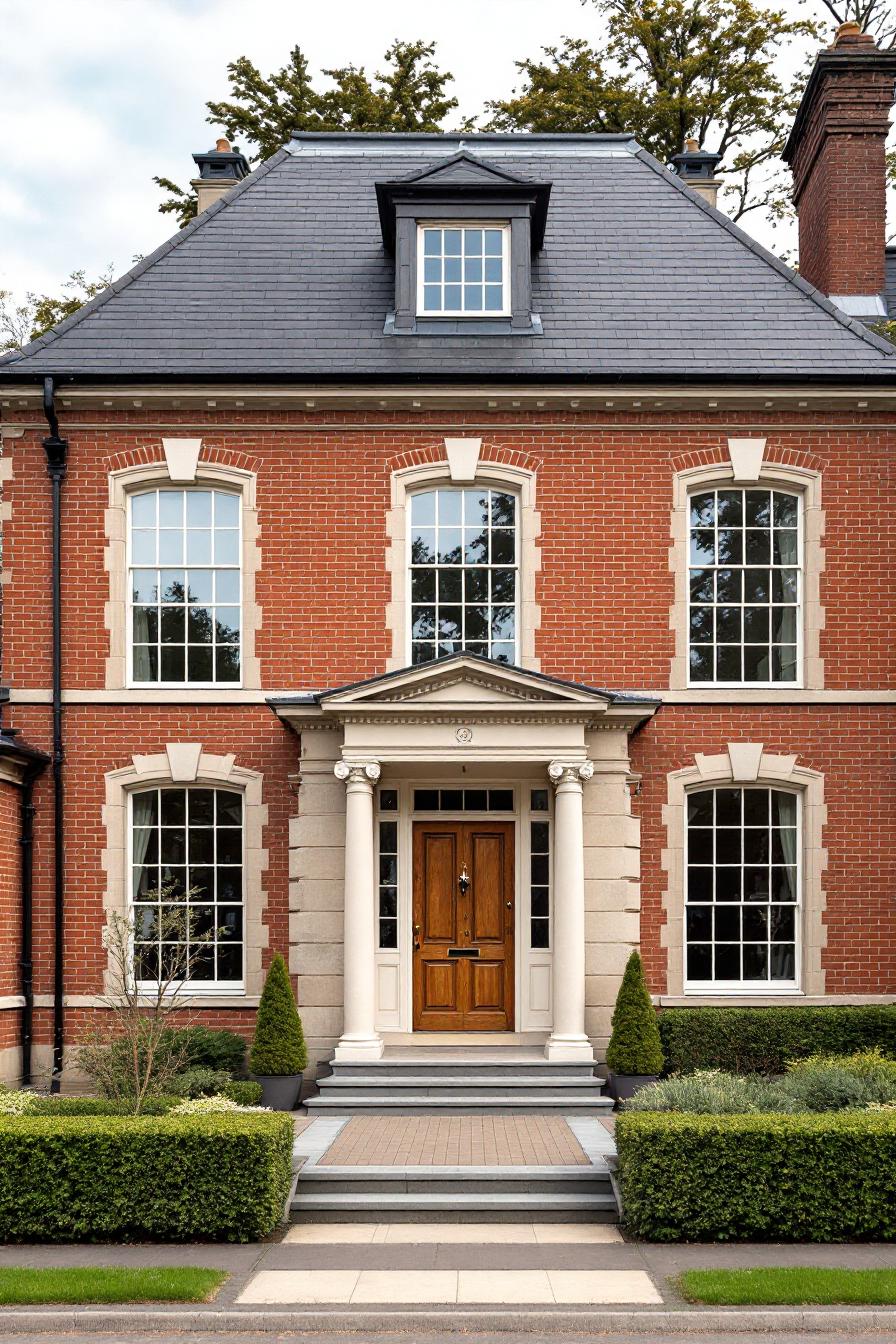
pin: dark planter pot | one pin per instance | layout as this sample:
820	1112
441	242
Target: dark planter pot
279	1091
625	1085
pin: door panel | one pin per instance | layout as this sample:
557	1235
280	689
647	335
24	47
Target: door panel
440	861
463	940
486	894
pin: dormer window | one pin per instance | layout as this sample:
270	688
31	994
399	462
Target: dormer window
465	235
463	269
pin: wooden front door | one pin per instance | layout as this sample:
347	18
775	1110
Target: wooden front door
463	926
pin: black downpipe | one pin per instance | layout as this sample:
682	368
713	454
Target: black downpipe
26	842
56	449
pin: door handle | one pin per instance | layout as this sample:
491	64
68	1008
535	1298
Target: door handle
509	905
463	881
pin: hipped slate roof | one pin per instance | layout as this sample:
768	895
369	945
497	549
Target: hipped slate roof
286	278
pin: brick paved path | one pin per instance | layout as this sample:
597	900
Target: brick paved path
456	1141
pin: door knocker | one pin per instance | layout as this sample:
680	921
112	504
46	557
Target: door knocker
463	881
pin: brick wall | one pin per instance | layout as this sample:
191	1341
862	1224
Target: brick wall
604	493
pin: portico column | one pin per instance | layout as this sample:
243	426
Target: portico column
568	1040
359	1040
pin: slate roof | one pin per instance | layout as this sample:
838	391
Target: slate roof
286	279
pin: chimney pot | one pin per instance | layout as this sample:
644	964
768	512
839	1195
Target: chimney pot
697	168
836	153
219	170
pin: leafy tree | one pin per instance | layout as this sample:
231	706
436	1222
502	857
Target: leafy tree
278	1047
409	95
634	1046
667	70
25	321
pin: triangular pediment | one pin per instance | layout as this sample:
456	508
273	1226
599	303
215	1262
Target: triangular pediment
464	169
464	680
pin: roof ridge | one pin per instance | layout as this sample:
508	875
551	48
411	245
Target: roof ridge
121	282
787	273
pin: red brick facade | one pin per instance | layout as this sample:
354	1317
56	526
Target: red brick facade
605	588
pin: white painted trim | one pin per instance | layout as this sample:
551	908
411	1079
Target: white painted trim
462	224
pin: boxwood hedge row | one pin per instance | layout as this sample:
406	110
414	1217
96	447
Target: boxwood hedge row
762	1040
171	1178
829	1177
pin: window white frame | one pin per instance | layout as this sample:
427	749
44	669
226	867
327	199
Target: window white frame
504	227
191	987
773	487
436	487
747	987
163	487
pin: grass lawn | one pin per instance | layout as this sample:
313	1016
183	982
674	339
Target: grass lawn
104	1283
793	1286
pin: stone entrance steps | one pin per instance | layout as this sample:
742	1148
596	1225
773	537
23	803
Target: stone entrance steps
454	1195
460	1082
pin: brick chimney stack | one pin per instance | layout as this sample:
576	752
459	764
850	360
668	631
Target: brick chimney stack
836	153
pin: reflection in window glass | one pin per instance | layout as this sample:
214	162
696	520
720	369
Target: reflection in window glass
744	553
388	884
742	899
185	597
540	883
463	575
187	884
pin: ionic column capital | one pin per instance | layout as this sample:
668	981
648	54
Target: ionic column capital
355	774
569	774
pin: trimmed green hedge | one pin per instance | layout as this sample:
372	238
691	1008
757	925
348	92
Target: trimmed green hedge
69	1106
169	1178
829	1177
763	1040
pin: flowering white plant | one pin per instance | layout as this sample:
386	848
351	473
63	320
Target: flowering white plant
216	1105
16	1103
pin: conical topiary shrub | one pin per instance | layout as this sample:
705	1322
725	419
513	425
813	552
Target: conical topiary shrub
278	1054
635	1049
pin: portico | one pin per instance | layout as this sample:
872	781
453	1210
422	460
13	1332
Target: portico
485	851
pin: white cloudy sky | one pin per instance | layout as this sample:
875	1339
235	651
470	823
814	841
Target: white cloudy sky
96	96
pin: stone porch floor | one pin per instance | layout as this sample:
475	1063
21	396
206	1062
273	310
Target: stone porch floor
456	1141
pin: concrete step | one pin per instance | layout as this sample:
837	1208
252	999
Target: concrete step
488	1103
429	1206
491	1066
427	1081
462	1187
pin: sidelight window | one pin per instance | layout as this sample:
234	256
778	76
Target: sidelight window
464	574
388	884
187	885
743	887
540	882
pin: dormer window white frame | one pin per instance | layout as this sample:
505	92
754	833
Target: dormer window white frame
463	268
